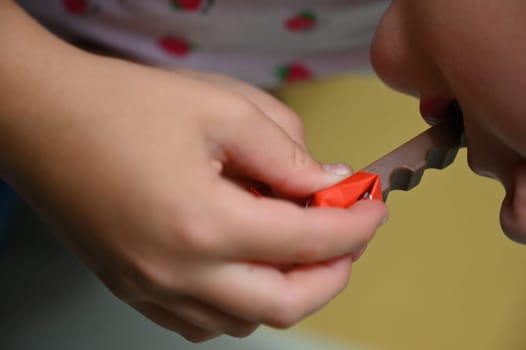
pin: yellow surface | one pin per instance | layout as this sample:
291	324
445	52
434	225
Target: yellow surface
440	274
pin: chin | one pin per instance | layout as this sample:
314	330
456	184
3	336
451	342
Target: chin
513	220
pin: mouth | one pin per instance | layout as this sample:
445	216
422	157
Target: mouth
435	109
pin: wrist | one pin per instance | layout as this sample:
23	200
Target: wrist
43	75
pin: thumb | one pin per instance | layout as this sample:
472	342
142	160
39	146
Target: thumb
263	151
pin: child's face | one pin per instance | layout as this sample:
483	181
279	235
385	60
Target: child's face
475	52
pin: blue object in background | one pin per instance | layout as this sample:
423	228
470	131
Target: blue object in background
9	200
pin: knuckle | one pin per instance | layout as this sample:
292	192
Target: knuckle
299	157
166	266
128	282
342	282
283	314
243	331
236	107
292	119
309	250
154	277
283	319
118	286
241	107
193	235
198	336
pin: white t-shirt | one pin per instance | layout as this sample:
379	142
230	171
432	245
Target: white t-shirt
264	42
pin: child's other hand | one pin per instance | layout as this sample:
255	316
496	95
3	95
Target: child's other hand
138	170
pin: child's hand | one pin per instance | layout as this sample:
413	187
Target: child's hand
141	183
139	172
269	105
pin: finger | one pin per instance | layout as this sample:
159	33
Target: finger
168	320
264	151
357	254
208	317
274	230
265	295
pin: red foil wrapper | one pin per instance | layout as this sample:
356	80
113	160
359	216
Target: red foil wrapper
361	185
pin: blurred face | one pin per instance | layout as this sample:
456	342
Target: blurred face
474	52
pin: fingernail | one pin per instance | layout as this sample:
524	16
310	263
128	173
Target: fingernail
338	169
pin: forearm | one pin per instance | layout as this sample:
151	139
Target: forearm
33	72
45	84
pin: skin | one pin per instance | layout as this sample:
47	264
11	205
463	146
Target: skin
126	181
139	172
474	53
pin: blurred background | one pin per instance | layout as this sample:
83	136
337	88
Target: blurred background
439	275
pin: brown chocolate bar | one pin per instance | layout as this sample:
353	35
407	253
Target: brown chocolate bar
435	148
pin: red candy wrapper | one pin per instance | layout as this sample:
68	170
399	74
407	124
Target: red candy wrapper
361	185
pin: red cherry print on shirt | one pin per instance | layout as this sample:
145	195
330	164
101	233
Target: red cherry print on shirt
294	72
187	5
175	45
302	22
298	72
75	7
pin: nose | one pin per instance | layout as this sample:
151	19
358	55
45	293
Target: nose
389	52
402	57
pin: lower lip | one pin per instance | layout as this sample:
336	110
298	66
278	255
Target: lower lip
433	109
